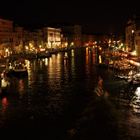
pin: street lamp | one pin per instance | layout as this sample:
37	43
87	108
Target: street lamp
132	31
133	47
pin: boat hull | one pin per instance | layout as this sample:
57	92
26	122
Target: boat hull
17	73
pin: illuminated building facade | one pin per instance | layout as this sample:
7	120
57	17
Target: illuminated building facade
52	37
6	36
132	35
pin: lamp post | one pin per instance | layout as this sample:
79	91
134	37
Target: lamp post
133	37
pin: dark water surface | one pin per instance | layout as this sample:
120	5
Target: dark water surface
50	102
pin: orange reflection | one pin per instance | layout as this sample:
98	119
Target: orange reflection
46	61
54	72
4	104
21	85
100	59
21	88
72	53
94	56
87	56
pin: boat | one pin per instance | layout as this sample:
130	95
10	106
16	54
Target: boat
17	69
43	54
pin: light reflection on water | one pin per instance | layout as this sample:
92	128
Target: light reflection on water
55	91
4	105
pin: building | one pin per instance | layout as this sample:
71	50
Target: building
15	39
95	39
73	35
88	39
77	35
52	37
129	35
132	35
17	44
6	36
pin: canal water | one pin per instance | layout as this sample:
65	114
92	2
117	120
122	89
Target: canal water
57	101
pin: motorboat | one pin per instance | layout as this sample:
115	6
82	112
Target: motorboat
16	69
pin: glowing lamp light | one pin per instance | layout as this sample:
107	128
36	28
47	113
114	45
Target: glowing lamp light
30	44
26	47
132	31
6	50
66	44
42	49
100	48
109	41
72	43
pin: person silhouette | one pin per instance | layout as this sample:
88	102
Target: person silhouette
99	90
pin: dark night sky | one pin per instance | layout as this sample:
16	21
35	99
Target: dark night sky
97	16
